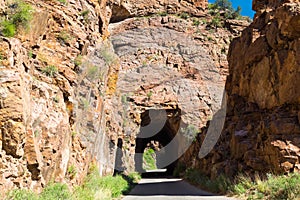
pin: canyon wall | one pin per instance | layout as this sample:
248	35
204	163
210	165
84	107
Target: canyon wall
58	84
52	97
78	87
262	128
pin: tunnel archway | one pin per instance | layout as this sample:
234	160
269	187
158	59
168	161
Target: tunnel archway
169	120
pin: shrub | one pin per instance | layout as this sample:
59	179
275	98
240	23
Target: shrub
223	5
21	194
215	22
226	6
22	14
184	15
57	191
50	70
72	171
180	168
108	55
8	29
134	177
64	37
78	60
276	187
149	162
62	1
273	187
92	72
196	22
93	182
149	94
19	15
164	13
85	15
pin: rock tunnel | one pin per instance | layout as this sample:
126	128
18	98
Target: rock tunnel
158	127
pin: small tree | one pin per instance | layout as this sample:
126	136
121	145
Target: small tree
224	5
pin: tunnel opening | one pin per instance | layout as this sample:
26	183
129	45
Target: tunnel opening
156	139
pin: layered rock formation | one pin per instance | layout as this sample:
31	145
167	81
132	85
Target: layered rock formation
50	97
69	95
167	63
59	85
262	129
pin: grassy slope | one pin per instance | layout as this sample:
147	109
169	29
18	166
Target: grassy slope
94	187
273	187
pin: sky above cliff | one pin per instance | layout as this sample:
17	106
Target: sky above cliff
246	6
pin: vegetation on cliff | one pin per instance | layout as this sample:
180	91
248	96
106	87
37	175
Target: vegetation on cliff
149	159
245	187
17	15
94	187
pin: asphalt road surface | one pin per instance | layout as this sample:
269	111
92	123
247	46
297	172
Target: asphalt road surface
169	189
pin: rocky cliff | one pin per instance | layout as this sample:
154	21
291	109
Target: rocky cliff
87	79
78	83
262	129
51	101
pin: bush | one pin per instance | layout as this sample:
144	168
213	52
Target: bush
50	70
226	6
62	1
196	22
216	22
64	37
184	15
19	15
8	29
180	168
149	162
134	177
273	187
78	60
57	191
21	194
164	13
92	72
107	55
115	184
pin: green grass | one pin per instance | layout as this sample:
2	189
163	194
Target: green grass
62	1
19	16
8	28
57	191
273	187
78	60
92	72
112	186
184	15
163	13
94	187
64	37
21	194
50	70
149	162
196	22
108	55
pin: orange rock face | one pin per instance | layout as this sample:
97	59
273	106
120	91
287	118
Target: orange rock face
262	130
53	79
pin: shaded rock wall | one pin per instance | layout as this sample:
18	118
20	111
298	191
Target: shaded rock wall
262	130
57	86
53	81
167	63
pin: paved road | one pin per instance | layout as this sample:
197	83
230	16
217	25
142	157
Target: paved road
169	189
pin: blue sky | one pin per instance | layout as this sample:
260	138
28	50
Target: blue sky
246	6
